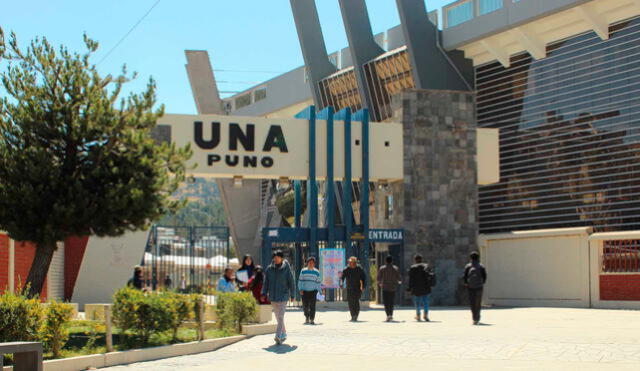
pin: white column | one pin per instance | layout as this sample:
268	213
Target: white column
12	264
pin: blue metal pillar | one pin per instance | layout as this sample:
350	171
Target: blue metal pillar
297	201
347	213
330	212
312	186
363	117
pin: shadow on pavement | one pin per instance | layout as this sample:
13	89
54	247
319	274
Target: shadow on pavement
281	349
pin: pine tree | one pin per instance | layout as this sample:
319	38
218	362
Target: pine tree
76	157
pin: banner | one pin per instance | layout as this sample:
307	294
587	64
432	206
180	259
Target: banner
271	148
331	266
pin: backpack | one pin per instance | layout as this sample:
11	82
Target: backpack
474	276
430	276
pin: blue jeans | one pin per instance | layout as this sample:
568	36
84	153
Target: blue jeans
421	301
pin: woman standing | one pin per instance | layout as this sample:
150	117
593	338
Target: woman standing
249	268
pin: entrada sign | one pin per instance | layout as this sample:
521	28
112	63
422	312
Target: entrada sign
386	235
267	148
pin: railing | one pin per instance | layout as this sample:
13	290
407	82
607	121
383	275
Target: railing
463	11
620	256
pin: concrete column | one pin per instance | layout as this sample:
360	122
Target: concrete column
12	265
438	199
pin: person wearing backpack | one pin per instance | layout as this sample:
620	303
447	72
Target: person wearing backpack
421	280
475	276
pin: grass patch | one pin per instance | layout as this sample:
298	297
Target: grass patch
88	337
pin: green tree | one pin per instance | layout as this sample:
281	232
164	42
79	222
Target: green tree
77	158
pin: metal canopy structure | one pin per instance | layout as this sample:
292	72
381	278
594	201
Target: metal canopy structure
355	239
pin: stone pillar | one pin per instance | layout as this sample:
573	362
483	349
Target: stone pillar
437	203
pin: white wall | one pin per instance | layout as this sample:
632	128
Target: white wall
107	265
537	268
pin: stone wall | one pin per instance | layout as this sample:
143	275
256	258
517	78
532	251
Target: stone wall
437	202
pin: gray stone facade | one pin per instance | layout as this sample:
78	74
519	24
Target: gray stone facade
437	203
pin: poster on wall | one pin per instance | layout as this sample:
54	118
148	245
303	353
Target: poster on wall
332	264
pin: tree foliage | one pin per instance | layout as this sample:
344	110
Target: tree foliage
76	156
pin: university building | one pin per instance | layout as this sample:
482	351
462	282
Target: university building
557	78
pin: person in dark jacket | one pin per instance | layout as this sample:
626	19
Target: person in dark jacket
255	285
388	280
137	282
356	281
475	276
279	286
420	283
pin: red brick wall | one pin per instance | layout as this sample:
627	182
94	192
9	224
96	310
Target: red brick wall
25	252
4	262
620	287
74	248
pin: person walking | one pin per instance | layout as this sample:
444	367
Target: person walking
356	281
279	286
309	284
167	282
388	280
421	279
475	276
227	282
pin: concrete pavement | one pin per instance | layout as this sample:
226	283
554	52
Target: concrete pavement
511	338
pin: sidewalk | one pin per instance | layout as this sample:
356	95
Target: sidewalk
511	338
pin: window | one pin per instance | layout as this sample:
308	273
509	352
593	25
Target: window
260	94
243	101
388	207
459	14
488	6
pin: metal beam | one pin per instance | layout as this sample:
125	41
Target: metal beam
531	43
347	208
362	44
600	26
203	83
243	217
314	51
495	50
430	65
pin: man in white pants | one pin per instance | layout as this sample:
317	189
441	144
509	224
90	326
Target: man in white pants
279	286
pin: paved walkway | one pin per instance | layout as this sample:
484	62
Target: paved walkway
521	338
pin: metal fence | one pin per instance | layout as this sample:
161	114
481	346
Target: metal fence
189	259
620	256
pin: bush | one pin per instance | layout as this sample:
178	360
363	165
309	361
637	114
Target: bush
234	309
20	317
124	307
54	333
144	314
180	309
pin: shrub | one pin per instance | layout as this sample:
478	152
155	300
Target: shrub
180	310
124	307
234	309
144	314
20	317
54	332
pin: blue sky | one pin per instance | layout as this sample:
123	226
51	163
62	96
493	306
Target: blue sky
240	35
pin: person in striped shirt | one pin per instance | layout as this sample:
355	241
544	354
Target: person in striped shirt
309	284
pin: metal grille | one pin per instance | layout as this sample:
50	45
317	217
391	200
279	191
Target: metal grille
340	90
388	75
621	256
193	258
569	138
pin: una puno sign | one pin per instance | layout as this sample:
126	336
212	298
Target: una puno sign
262	148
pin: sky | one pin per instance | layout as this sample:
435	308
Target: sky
249	41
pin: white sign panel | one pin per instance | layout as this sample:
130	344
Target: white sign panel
271	148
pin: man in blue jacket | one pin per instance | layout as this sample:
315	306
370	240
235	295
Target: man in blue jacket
279	286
